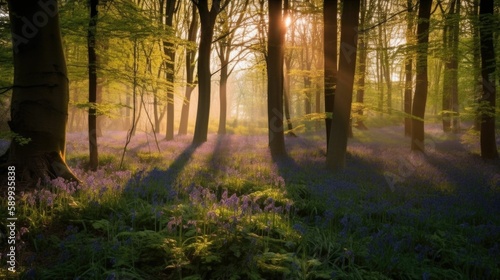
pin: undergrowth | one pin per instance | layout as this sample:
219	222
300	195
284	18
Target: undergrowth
225	211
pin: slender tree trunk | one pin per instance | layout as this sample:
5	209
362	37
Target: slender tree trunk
92	118
408	69
450	83
128	109
275	59
169	50
39	105
207	20
446	106
380	82
330	68
336	154
286	95
360	93
476	52
385	69
454	67
156	114
190	66
420	99
488	106
223	97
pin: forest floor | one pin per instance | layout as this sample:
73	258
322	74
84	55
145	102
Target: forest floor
224	210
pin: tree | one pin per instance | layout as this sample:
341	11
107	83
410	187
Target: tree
330	57
366	13
450	57
336	153
207	22
225	46
408	67
39	106
92	65
190	67
169	51
487	138
420	98
275	59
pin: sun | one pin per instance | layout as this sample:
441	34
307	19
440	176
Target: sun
288	21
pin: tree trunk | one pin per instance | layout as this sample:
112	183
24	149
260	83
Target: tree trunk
275	59
476	61
92	118
408	70
223	97
420	99
380	82
454	68
450	83
156	114
286	95
336	154
190	66
487	138
169	51
330	67
207	20
360	93
39	106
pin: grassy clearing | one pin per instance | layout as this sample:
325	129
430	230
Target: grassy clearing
224	211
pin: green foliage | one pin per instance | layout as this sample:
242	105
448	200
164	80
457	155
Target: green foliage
14	137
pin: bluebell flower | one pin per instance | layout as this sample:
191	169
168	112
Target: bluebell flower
299	228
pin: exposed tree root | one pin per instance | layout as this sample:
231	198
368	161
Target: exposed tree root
38	167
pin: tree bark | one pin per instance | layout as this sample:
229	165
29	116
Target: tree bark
190	66
92	57
450	83
330	67
169	51
223	96
341	123
39	106
363	53
488	65
476	53
420	99
207	20
275	59
286	95
408	69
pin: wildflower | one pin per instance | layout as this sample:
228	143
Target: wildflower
299	228
30	198
269	204
244	204
233	202
224	197
279	182
211	215
174	222
96	246
102	190
288	206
